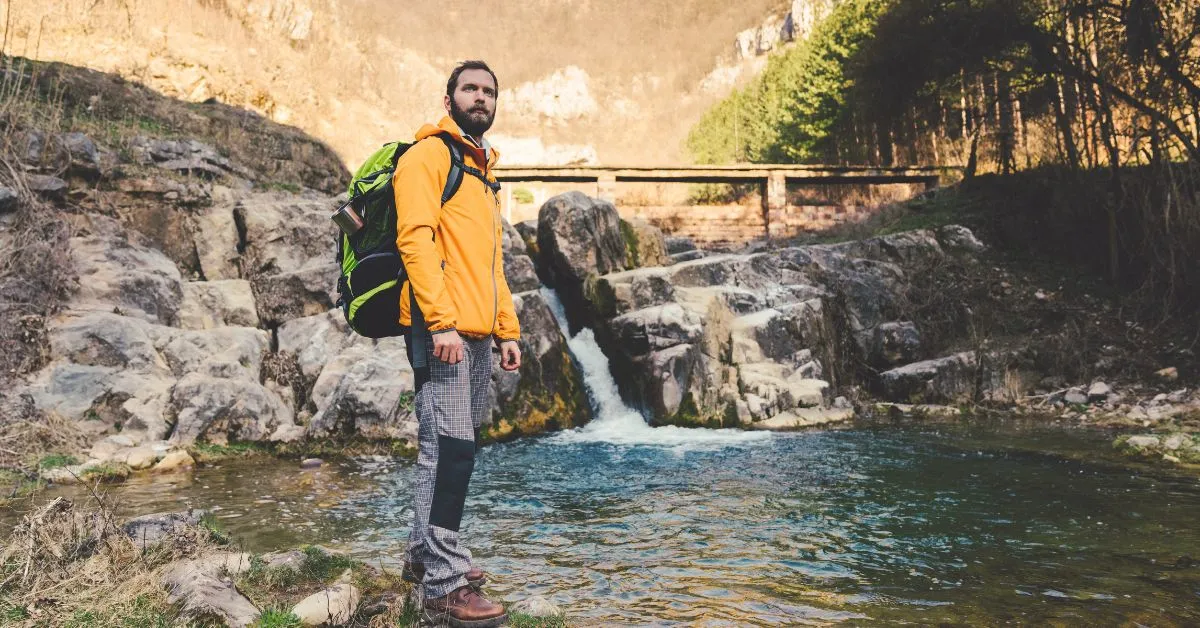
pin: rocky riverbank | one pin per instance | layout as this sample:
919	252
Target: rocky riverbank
76	564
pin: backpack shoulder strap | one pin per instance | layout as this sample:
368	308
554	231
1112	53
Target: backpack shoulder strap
454	179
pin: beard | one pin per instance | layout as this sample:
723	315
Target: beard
473	123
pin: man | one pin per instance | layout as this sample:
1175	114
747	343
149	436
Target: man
458	303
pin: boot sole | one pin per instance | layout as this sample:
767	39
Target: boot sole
429	618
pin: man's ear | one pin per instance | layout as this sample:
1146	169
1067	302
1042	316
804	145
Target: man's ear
446	102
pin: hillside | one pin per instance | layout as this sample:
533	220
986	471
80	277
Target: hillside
622	77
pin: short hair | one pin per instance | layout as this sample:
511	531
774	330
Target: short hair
452	84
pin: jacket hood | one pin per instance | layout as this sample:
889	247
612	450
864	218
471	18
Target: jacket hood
483	154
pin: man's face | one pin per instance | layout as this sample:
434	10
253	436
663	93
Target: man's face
473	106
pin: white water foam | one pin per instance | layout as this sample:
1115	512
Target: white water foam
613	421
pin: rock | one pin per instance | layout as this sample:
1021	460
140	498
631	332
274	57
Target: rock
841	403
47	187
216	241
141	458
148	531
222	410
1176	441
225	352
579	238
678	244
1171	459
164	190
644	246
1099	391
537	606
1142	441
959	239
209	304
35	147
200	591
116	271
311	463
1075	397
316	340
547	393
686	256
1169	374
290	295
367	390
8	199
85	158
170	153
942	379
334	606
803	417
284	233
175	461
519	268
895	343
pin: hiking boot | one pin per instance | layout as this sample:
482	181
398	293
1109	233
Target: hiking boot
415	573
464	607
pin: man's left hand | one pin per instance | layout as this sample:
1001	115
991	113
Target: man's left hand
510	355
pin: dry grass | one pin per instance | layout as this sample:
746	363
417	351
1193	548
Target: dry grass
70	565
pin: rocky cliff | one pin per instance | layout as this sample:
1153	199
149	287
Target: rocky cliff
196	302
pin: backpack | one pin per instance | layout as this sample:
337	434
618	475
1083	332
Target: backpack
372	271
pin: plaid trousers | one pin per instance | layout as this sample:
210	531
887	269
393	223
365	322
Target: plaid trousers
451	404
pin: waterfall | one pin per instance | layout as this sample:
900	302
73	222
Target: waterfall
614	421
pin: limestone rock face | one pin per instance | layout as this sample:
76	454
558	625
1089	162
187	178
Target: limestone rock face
742	338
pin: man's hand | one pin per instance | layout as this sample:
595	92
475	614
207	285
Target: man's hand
448	347
510	355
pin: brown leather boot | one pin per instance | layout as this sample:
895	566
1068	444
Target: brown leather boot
464	607
415	573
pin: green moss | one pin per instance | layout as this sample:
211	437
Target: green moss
106	472
56	461
337	447
406	402
601	295
537	409
632	256
210	452
689	415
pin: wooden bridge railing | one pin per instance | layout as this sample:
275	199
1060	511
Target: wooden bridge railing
773	178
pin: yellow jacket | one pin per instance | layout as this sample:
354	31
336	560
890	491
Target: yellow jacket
452	252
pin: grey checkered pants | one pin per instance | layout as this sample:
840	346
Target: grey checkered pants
451	404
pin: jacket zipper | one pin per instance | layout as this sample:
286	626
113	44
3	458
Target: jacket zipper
495	288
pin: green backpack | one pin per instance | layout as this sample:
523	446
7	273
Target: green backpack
372	271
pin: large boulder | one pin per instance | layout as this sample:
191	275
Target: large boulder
119	271
519	268
287	254
547	393
644	244
209	304
221	410
366	391
579	239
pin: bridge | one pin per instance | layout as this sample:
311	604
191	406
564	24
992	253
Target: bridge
773	178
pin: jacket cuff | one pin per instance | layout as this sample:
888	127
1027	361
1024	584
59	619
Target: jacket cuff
442	331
